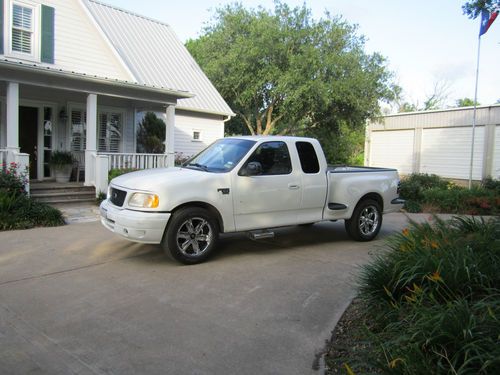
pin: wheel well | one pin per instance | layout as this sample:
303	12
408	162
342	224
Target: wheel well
207	207
373	196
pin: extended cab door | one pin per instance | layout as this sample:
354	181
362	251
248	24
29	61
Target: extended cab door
267	190
314	181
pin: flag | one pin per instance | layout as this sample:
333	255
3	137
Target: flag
487	19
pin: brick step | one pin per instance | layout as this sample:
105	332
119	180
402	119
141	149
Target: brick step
58	201
68	193
62	190
64	196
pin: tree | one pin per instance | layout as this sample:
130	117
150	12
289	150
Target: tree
283	72
437	99
466	102
151	135
473	8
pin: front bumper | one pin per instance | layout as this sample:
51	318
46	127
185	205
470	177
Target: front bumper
145	227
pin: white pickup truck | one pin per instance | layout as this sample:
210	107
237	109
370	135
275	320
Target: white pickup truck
246	184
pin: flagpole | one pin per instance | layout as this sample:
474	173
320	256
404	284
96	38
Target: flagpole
475	110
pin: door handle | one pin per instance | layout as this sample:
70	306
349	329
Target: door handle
293	186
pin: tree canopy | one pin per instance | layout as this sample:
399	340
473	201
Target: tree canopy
284	72
473	8
466	102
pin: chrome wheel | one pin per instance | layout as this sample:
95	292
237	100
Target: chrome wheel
368	220
365	221
194	237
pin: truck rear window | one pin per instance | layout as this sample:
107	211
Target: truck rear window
308	158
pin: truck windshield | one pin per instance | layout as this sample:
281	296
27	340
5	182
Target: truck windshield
220	156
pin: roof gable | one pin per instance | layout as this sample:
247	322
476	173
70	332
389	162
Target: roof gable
156	57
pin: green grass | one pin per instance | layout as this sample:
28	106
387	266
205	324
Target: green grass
434	299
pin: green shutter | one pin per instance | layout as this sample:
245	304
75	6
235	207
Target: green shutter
1	27
47	52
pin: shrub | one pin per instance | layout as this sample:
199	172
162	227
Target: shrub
118	172
413	186
475	201
151	134
12	181
22	212
59	159
491	184
435	300
434	194
17	210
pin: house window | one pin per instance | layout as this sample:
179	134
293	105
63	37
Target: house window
78	130
110	131
196	135
22	29
30	30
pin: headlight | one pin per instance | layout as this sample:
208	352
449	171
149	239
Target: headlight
144	200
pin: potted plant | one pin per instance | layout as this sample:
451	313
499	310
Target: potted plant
61	163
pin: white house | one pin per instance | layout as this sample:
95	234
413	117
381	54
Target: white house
437	142
76	74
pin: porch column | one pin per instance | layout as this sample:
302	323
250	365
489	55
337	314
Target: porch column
170	135
91	140
13	117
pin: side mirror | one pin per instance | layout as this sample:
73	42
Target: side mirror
254	168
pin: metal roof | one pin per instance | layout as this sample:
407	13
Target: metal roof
9	65
156	57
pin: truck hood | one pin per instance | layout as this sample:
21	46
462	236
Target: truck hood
153	179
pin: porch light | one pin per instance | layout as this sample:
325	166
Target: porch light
63	116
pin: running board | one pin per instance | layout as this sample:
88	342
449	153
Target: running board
260	235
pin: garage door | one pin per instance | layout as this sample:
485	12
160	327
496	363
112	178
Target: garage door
496	155
392	149
446	152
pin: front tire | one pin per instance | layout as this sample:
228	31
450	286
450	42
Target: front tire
191	235
365	221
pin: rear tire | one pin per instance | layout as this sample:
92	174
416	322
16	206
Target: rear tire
191	235
365	221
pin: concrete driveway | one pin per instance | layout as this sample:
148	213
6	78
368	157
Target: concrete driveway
78	300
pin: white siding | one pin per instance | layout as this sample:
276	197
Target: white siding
79	46
392	149
496	154
210	129
446	152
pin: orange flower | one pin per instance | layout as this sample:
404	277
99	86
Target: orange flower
406	232
434	245
394	362
435	277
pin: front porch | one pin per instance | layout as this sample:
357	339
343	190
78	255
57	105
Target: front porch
43	110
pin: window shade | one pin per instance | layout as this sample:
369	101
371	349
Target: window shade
22	33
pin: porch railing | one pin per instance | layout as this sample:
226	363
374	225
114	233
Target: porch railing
135	161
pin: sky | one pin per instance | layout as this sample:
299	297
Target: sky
426	42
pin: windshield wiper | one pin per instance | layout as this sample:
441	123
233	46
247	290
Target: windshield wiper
199	166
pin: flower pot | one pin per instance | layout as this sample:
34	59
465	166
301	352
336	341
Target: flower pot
63	173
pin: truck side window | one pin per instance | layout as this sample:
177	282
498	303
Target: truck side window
308	158
273	157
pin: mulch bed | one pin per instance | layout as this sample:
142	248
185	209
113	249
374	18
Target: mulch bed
349	346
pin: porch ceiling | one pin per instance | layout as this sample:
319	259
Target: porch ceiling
42	76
